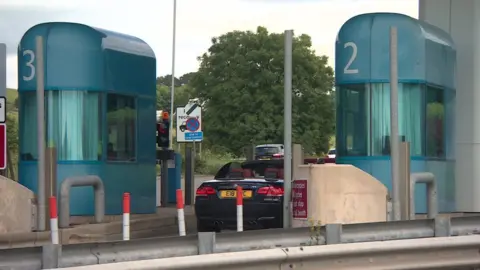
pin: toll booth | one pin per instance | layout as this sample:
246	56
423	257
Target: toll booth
100	101
426	99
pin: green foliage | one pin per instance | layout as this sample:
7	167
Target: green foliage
13	142
182	95
315	231
209	163
240	79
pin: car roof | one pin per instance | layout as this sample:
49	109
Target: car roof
269	145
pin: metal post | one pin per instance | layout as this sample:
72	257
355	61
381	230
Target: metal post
50	175
3	71
189	180
172	91
404	180
394	139
40	134
164	184
287	161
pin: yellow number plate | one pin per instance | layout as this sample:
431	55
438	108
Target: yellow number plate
233	194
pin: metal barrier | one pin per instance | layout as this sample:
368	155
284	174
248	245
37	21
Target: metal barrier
52	256
81	181
433	253
428	179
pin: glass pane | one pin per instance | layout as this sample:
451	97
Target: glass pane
121	127
435	122
267	150
352	118
28	126
380	119
409	117
74	124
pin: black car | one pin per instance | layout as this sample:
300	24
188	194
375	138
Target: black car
262	183
269	151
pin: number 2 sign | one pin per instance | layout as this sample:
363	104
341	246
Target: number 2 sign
347	69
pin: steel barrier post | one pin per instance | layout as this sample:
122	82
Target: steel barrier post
428	179
81	181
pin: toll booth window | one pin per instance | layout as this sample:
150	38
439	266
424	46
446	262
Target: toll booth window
410	118
73	124
352	108
121	127
28	126
435	122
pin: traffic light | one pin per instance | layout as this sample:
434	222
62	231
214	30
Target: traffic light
163	131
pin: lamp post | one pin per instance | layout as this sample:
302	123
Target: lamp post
172	89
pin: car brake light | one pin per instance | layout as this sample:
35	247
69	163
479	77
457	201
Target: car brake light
277	155
271	191
205	191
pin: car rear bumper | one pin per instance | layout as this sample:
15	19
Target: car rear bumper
223	215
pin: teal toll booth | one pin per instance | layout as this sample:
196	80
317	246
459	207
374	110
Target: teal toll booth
100	112
426	73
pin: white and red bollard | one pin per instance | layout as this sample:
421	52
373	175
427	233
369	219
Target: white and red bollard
180	213
54	220
126	216
239	209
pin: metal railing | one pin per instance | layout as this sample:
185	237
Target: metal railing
428	179
413	254
81	181
53	256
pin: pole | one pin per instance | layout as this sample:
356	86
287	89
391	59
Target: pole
126	216
54	220
239	209
287	161
164	184
394	136
172	91
180	213
40	134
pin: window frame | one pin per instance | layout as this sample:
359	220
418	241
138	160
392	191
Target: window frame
106	128
342	110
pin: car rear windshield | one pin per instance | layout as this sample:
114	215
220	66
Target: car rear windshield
267	150
331	152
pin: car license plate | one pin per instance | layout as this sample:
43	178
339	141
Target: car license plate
233	194
265	158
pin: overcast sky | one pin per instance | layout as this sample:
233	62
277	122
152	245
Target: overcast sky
197	22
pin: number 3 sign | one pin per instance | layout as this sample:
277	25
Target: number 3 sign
30	59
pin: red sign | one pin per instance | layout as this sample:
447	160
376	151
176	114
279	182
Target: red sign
3	146
299	199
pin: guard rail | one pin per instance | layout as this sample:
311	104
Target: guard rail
415	254
53	256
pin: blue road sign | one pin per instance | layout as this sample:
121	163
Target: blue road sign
194	136
192	124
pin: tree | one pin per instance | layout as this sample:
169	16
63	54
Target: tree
182	95
13	145
240	81
185	78
167	80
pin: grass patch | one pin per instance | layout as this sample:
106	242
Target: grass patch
12	95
